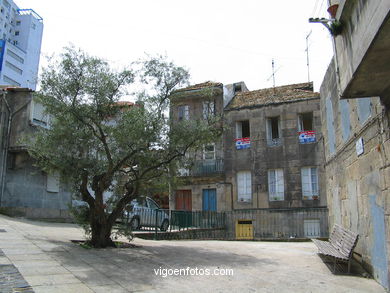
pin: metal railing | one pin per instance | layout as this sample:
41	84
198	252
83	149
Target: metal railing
172	220
280	224
207	167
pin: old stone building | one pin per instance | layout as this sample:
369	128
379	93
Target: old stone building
355	99
273	148
25	189
269	156
199	188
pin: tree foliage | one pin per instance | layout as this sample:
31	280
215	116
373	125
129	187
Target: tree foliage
100	144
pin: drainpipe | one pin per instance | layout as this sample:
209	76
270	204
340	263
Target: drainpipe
6	143
5	149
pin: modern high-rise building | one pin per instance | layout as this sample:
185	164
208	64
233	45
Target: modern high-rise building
20	45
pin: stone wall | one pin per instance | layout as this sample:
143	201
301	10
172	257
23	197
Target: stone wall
289	155
358	180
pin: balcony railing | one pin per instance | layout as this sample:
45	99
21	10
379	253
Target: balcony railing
272	142
206	167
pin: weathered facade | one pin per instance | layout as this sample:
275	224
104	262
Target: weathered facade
269	156
200	186
282	157
26	190
355	121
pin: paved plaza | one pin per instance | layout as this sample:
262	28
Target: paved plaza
40	255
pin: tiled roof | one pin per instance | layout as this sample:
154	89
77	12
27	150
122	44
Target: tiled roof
198	86
124	103
277	95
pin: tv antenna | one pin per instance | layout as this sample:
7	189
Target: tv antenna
273	72
307	56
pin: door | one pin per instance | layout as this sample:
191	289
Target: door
209	202
183	200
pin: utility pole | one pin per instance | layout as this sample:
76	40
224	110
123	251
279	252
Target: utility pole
307	56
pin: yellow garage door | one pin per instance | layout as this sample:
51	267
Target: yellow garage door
244	230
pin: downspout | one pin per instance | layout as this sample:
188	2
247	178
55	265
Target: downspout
6	143
5	149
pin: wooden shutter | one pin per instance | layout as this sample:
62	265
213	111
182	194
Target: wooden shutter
244	184
314	180
306	181
238	129
279	183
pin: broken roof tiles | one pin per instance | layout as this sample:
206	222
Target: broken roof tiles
276	95
199	86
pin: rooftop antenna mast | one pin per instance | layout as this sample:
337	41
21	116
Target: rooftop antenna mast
307	56
273	72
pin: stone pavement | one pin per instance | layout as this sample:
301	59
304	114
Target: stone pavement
46	259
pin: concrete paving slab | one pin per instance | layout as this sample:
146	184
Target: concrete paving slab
110	288
57	265
45	270
65	288
49	280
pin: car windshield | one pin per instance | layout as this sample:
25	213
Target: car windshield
152	204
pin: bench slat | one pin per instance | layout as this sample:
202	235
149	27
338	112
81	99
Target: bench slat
340	245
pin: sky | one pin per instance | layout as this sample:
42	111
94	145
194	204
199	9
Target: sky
223	41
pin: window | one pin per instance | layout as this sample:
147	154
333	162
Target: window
305	122
38	115
13	67
242	129
273	131
18	22
209	152
237	87
184	112
15	56
275	184
53	182
10	81
309	178
364	109
17	33
244	186
208	109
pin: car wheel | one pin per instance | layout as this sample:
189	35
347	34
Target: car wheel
134	224
164	225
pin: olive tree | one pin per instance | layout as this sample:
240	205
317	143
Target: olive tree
98	143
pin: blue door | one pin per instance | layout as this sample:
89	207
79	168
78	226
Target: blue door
209	199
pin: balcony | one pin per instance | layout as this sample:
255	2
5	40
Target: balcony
203	168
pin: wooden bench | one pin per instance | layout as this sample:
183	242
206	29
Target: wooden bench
340	245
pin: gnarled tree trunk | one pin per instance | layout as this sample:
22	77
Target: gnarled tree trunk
100	228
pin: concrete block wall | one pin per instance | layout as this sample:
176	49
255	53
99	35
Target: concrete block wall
26	189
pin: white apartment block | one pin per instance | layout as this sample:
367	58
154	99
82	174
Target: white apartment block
20	45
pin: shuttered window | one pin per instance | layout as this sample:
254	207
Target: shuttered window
53	182
309	182
275	184
39	117
244	186
183	112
